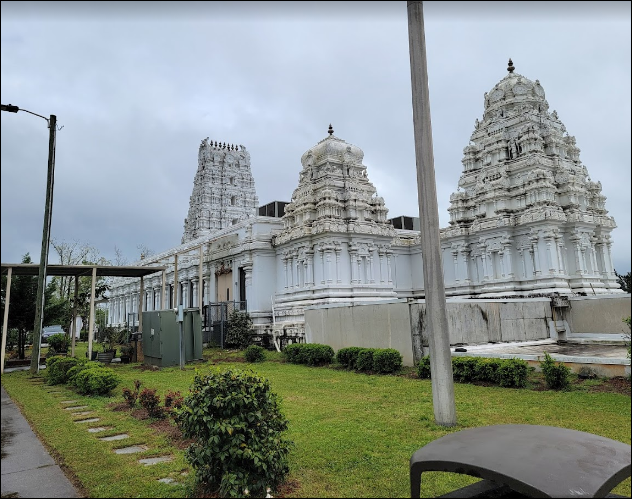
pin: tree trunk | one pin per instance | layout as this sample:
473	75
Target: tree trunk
21	343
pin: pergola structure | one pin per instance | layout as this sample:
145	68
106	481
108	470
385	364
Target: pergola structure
26	269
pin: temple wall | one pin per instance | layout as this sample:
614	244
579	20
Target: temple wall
394	324
602	314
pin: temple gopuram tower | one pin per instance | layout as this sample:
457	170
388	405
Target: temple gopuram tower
526	218
223	190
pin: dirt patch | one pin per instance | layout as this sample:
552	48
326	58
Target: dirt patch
172	432
140	414
118	406
617	384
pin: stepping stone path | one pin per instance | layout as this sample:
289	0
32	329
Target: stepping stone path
68	401
170	481
122	436
131	450
155	460
91	420
84	413
98	429
76	408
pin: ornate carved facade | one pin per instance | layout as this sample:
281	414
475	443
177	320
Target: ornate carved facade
223	190
526	216
526	219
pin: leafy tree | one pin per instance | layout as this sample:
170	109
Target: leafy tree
625	281
22	306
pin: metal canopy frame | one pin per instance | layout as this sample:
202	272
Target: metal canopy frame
26	269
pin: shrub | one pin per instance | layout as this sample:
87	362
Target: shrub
423	367
387	360
364	362
59	342
73	371
57	371
555	373
463	368
237	427
348	356
151	403
96	381
254	353
131	396
239	330
312	354
292	353
487	370
173	400
512	373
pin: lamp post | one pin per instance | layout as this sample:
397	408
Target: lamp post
48	213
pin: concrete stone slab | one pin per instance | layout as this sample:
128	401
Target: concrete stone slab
83	413
68	401
98	429
155	460
121	436
76	407
91	420
131	449
166	480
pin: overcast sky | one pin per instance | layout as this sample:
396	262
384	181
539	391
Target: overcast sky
137	86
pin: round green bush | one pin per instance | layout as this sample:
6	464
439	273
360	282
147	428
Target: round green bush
386	360
57	371
96	381
423	367
254	353
348	356
364	361
237	427
58	342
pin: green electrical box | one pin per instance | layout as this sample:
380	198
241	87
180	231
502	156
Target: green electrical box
161	337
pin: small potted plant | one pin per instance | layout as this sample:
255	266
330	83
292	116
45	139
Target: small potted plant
127	351
108	352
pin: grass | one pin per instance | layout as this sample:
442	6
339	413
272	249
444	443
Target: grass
354	433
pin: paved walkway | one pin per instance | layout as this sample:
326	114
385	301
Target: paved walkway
28	470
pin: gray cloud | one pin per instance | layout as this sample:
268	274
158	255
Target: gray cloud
138	85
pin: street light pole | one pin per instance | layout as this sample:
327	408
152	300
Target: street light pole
48	213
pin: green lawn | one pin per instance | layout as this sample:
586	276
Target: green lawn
354	433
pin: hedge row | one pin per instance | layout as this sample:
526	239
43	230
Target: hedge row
87	378
379	360
312	354
503	372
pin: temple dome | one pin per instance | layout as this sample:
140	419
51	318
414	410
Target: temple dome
515	89
332	149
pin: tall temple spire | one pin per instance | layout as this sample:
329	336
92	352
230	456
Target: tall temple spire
511	67
331	130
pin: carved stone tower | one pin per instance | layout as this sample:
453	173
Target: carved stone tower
223	190
526	216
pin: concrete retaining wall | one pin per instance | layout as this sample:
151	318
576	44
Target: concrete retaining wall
401	325
599	314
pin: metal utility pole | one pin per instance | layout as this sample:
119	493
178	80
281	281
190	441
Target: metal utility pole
41	278
48	214
436	316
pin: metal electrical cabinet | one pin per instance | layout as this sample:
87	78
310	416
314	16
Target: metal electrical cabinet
161	337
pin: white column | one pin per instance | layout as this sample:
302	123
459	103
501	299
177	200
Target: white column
309	281
195	292
455	262
285	273
338	274
381	255
328	272
388	267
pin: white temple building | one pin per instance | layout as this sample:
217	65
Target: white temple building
526	220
